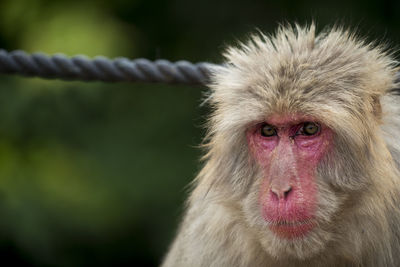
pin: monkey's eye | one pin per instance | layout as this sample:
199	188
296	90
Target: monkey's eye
309	128
268	130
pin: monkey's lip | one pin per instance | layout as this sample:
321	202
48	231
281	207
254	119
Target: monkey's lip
292	229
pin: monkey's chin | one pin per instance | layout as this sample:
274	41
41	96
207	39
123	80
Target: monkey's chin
292	230
294	240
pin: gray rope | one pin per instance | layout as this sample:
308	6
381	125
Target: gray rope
103	69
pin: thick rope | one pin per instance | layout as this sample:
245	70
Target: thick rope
103	69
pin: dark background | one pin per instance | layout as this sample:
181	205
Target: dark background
95	174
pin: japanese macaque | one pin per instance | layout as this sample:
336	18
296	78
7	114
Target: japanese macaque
302	157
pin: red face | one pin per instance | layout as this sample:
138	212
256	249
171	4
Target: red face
288	148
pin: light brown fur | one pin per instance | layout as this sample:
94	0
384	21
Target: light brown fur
343	82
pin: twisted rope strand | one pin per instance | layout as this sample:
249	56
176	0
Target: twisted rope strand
103	69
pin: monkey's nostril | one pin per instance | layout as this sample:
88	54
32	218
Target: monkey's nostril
286	193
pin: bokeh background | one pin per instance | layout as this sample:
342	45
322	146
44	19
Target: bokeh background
95	174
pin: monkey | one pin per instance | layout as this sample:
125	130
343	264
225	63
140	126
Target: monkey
301	162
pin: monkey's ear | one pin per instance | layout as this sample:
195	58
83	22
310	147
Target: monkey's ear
376	107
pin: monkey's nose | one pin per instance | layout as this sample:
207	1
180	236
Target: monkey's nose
281	193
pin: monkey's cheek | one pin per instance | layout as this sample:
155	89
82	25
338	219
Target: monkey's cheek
294	230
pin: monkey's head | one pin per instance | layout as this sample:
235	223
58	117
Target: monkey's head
295	134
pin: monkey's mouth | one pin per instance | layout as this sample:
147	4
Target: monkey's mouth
292	229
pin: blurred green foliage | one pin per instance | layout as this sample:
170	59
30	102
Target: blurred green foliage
94	173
